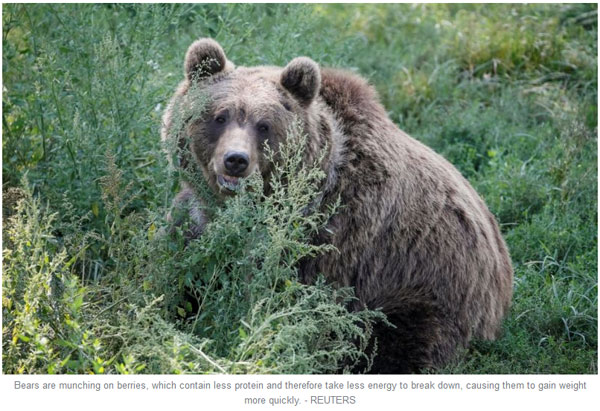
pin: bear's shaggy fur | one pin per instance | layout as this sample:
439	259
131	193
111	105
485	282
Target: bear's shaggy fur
414	238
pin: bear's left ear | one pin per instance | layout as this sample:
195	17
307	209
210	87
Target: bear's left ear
302	78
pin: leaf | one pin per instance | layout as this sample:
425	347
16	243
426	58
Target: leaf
242	333
151	231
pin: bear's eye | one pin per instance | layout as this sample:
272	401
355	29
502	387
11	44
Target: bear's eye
220	119
262	128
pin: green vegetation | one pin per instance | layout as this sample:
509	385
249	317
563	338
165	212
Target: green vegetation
91	281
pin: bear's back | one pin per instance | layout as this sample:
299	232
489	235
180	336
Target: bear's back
425	226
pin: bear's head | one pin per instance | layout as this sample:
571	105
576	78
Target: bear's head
244	110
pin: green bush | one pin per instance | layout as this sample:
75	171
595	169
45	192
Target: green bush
252	314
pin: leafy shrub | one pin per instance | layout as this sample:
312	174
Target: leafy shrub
252	313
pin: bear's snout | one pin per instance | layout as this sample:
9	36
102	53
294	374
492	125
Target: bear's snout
236	163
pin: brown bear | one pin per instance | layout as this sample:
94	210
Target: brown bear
414	238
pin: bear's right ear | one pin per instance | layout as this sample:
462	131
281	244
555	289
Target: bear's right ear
204	58
302	78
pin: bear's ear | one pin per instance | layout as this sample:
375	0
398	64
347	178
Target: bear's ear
204	58
302	78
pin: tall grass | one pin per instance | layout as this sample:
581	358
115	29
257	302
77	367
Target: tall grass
508	93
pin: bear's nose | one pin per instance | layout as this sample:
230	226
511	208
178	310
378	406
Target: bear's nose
236	162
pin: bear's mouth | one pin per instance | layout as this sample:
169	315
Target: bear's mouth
228	182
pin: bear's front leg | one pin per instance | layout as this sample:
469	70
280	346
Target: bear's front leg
186	211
